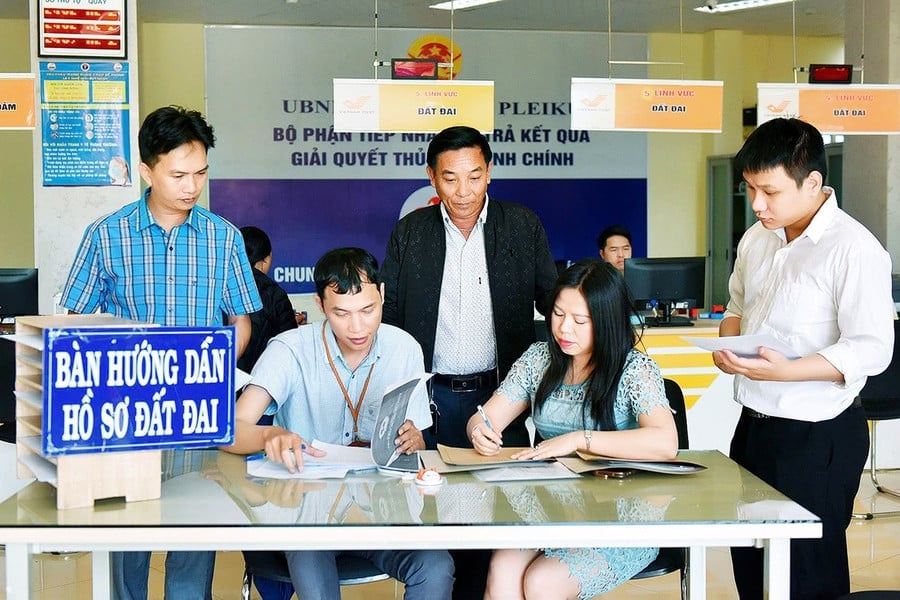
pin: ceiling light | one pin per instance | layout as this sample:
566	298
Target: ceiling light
461	4
712	7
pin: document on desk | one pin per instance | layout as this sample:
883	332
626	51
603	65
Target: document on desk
746	346
391	415
337	462
529	472
591	462
471	457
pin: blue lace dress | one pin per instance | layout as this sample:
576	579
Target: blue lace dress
640	390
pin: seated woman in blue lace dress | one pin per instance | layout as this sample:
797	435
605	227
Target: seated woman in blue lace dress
589	389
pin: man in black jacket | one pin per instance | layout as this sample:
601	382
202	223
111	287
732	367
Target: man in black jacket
463	278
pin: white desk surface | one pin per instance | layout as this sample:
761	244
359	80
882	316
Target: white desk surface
219	507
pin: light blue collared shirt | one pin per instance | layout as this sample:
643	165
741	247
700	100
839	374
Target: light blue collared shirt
307	399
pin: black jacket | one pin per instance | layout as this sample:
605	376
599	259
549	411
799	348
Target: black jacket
277	315
520	267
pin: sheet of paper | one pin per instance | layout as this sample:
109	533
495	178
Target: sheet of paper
337	462
525	473
352	458
743	345
268	469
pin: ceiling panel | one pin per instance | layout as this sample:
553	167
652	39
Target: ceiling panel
809	17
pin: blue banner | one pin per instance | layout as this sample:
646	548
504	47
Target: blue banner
306	218
120	388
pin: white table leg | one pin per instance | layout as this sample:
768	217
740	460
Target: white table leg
777	575
18	572
101	574
696	573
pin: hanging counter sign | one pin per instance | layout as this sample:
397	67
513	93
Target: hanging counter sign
369	105
110	389
17	101
833	109
646	105
82	29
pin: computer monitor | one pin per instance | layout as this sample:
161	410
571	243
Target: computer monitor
18	292
665	283
18	296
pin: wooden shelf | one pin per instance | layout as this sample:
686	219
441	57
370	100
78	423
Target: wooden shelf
80	479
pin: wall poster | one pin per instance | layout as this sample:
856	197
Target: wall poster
84	123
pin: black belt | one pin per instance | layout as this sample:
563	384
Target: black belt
857	403
467	383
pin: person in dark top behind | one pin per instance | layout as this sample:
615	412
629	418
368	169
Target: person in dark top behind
277	314
614	245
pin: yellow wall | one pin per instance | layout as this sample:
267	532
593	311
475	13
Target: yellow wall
171	71
677	161
16	186
171	66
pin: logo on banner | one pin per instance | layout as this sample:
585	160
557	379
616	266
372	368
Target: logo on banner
440	48
356	103
421	198
594	102
778	108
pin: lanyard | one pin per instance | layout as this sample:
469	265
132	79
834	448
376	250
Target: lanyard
354	410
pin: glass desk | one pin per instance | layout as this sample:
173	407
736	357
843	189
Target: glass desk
211	504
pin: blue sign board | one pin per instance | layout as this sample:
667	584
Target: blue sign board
112	389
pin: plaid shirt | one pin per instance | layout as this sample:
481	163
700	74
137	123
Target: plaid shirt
128	266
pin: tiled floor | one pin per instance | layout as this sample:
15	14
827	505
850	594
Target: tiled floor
874	564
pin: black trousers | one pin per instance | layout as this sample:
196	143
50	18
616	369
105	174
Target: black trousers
455	409
818	465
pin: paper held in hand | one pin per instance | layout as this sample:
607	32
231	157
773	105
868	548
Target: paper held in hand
391	416
339	459
745	346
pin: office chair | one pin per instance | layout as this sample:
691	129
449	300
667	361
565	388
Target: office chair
271	564
881	401
672	559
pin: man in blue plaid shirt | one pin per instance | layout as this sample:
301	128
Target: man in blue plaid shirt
165	260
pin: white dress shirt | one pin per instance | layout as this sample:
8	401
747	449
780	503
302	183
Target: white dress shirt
465	342
826	292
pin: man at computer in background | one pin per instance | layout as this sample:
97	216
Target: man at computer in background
166	260
326	383
811	276
463	277
614	246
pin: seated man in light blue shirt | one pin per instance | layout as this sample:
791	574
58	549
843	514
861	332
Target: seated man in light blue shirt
326	382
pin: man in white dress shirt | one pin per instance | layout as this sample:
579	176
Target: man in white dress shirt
816	279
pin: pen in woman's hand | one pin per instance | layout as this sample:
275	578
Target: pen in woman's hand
487	422
484	417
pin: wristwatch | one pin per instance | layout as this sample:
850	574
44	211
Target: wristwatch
588	435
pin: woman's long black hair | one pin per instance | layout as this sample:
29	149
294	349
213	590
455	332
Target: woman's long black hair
610	308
